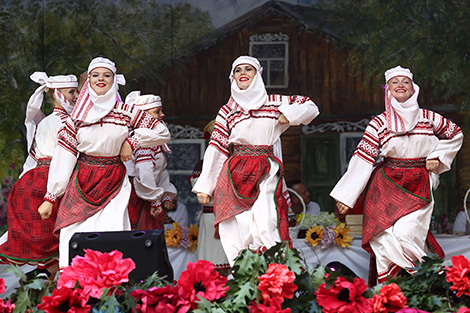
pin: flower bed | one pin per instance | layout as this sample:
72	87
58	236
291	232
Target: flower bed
272	281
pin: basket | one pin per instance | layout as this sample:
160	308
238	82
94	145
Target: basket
294	231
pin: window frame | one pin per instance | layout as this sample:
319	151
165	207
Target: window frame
272	39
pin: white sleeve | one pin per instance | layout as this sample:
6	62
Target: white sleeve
450	141
150	137
299	110
62	165
144	181
162	178
211	167
350	186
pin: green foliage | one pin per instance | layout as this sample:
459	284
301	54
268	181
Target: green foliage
246	271
429	36
428	289
31	290
61	37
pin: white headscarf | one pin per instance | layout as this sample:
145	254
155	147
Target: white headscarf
146	102
90	107
33	110
401	117
255	95
143	102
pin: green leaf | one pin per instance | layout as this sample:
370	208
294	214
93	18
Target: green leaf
22	302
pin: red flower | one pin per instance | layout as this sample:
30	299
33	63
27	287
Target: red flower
410	310
162	300
344	297
463	310
2	285
6	307
201	279
389	299
65	300
274	307
277	283
459	275
96	271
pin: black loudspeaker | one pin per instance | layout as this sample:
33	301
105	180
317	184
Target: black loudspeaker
147	248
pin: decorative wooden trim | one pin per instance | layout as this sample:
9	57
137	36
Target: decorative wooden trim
184	132
339	127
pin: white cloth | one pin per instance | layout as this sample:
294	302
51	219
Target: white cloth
113	217
397	71
45	139
91	107
403	117
179	259
255	95
143	102
312	208
180	256
150	177
460	224
179	214
256	227
208	247
33	109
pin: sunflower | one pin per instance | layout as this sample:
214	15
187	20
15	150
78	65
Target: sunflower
314	235
342	238
193	236
173	236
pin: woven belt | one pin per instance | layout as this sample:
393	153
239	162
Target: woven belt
404	163
98	161
250	150
44	162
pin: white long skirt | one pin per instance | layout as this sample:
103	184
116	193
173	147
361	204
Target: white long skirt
256	227
113	217
403	244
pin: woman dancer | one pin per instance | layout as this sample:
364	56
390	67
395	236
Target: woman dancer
398	203
250	197
88	171
30	239
152	193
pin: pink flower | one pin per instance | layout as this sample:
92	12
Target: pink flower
459	275
463	310
274	307
162	300
201	279
65	300
8	181
410	310
277	283
96	271
389	299
344	297
5	192
6	307
2	285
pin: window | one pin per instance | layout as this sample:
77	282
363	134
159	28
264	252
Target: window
273	53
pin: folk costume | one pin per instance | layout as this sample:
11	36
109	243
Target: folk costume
209	246
398	200
30	239
88	173
250	196
147	170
